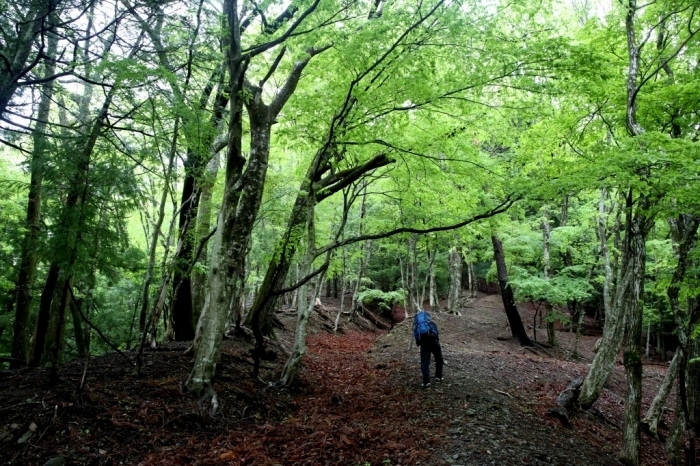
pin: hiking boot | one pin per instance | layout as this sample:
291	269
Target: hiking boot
438	379
426	385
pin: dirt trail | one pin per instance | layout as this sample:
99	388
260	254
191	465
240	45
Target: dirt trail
359	403
495	395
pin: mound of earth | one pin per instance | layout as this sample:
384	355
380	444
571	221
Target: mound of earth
359	401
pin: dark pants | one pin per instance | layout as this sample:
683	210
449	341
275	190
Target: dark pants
428	346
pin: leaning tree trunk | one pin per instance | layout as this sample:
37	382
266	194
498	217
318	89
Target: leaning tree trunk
613	332
455	259
516	324
651	419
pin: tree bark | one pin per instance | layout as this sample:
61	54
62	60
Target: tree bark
516	324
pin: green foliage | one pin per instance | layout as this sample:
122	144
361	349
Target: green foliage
470	105
380	300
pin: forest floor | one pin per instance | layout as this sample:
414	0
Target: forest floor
359	402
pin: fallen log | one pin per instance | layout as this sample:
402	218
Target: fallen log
375	319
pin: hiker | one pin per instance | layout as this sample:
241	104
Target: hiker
426	334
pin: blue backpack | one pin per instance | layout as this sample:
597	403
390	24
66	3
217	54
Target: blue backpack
423	326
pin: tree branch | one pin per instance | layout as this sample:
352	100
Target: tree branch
294	76
274	66
500	208
335	182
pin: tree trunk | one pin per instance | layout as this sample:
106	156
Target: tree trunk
365	255
291	367
42	319
342	294
364	252
54	331
80	337
242	197
144	322
637	228
404	287
692	396
551	334
651	419
27	267
412	266
676	438
67	240
614	321
472	279
433	298
455	292
631	445
199	276
196	182
516	324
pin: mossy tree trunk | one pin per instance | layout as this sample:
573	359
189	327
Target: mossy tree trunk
242	197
